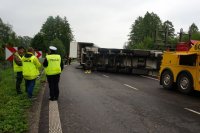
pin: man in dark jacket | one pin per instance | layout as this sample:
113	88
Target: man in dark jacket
53	66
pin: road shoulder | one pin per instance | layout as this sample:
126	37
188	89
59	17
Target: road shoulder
34	111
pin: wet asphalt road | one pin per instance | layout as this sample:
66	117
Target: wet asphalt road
118	103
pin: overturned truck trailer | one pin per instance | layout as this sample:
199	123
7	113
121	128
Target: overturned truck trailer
145	62
78	51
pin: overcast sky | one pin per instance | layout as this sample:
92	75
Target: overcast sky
106	23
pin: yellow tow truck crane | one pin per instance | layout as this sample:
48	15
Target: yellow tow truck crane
181	68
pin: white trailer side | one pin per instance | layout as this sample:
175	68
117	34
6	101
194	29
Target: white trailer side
73	50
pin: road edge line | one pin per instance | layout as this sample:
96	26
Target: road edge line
54	118
131	87
105	76
149	77
192	111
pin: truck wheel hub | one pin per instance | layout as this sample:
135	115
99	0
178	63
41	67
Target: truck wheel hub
184	83
166	79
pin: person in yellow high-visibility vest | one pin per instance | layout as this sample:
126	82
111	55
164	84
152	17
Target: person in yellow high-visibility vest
31	67
17	66
53	66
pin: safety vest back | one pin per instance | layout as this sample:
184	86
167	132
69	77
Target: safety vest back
15	66
30	71
53	67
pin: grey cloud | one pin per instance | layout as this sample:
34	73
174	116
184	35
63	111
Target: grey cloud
104	22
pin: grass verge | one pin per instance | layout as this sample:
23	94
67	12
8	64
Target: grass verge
13	107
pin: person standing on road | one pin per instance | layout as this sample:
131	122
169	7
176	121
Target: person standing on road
53	66
70	59
17	66
31	67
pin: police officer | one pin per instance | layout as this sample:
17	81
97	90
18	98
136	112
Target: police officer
17	66
31	66
53	66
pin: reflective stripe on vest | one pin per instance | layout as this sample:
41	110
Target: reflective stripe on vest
53	67
29	69
15	66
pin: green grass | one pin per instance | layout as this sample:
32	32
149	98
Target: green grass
13	107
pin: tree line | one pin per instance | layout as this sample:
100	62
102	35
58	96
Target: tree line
55	31
149	32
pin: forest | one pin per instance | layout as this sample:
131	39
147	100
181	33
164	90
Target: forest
55	31
146	32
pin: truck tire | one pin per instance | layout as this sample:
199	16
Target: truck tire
167	80
185	83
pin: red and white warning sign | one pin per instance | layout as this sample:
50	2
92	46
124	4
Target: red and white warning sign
38	54
9	52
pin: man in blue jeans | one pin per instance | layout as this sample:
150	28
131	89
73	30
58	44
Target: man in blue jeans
31	66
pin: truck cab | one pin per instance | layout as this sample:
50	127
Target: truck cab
181	68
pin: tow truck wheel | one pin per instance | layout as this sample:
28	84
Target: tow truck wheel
185	83
167	80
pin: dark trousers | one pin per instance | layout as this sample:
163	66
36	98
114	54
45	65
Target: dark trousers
53	81
29	87
19	78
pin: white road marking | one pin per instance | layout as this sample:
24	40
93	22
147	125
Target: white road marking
106	76
131	87
54	118
150	78
192	111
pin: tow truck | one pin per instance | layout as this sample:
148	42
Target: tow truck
181	68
